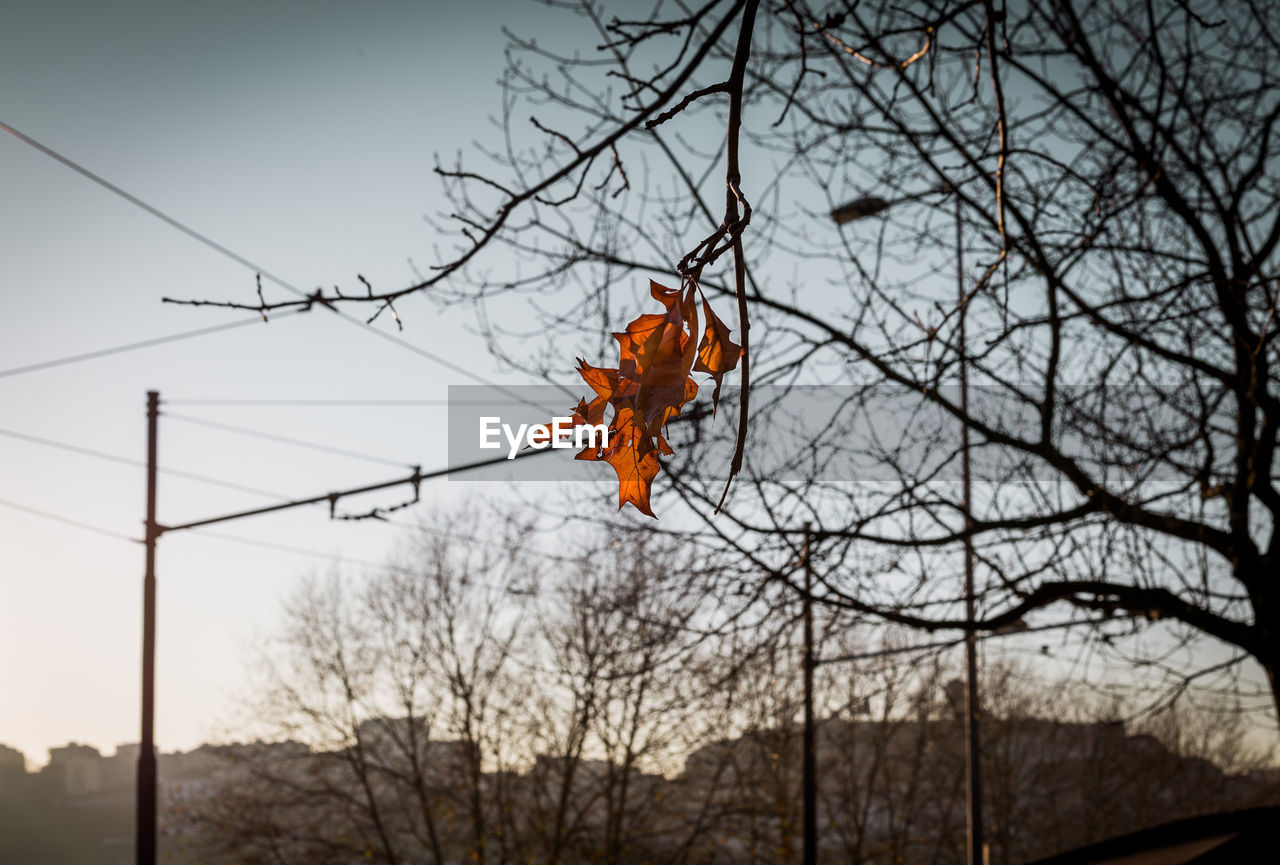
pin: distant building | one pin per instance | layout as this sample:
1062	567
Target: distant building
79	766
13	768
11	759
402	742
120	770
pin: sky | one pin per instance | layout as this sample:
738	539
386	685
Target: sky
300	137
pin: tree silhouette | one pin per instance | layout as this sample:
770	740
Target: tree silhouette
1073	202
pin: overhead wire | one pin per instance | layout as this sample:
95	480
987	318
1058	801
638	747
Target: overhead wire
478	541
208	242
129	461
510	588
88	527
238	539
291	403
302	443
950	643
205	240
896	650
286	548
132	346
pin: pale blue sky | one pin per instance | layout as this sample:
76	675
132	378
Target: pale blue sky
299	135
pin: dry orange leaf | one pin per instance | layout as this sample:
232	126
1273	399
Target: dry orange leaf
652	384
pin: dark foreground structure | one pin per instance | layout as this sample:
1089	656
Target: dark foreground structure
1237	837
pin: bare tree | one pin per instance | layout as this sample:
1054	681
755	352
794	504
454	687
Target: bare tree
1062	768
464	704
1071	203
393	698
475	701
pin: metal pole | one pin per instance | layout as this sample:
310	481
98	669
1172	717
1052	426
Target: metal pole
146	790
810	778
972	754
145	838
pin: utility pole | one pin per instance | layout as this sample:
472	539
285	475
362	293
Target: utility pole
145	838
972	754
809	781
146	792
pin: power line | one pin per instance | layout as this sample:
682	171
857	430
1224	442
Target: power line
367	563
309	402
138	202
897	650
239	430
332	498
88	527
478	541
386	567
287	548
244	262
947	644
133	346
473	540
123	460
